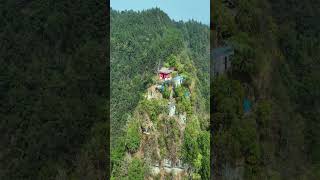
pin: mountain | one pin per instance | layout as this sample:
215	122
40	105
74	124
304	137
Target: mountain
148	133
275	67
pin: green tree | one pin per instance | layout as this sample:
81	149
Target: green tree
136	169
204	144
166	92
172	60
191	152
133	136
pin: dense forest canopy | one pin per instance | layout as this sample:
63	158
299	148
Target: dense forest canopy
276	66
53	89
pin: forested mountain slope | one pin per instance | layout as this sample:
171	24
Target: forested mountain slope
53	88
276	66
141	43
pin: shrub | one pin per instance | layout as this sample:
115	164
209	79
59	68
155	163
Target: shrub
133	136
166	92
136	169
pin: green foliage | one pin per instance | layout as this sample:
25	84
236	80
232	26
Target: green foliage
249	18
173	131
171	139
118	152
172	60
180	67
133	136
263	113
174	74
198	43
53	80
184	105
172	43
166	92
279	60
187	81
196	149
191	148
154	108
224	19
244	60
204	144
196	176
136	169
228	95
179	91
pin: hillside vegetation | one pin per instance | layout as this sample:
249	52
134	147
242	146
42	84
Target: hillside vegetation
276	65
53	90
143	132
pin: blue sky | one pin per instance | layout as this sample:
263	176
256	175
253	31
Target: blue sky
185	10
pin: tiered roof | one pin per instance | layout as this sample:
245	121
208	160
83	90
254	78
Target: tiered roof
165	70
